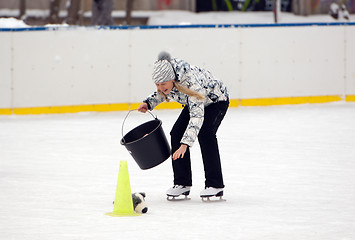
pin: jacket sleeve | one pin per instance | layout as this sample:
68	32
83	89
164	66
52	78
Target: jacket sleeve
196	109
154	100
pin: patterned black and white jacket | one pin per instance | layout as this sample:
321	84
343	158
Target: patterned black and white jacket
199	80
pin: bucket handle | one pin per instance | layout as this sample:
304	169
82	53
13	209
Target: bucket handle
124	120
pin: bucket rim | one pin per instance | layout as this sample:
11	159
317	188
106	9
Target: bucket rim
125	143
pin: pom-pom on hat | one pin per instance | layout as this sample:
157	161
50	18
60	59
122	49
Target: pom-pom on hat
163	71
164	56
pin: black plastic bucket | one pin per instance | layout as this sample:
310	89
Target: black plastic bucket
147	143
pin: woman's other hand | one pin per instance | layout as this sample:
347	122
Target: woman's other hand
180	152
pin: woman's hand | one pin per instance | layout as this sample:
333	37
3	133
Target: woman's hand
180	152
143	108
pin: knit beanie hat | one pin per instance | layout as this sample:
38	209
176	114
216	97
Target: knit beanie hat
163	71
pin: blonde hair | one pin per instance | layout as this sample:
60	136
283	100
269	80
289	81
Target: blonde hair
185	90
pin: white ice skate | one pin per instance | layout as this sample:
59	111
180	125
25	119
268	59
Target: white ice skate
176	191
208	194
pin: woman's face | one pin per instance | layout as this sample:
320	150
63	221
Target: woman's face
165	87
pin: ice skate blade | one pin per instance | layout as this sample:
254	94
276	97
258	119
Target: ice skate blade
177	198
214	199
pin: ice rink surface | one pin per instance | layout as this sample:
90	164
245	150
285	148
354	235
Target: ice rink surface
289	173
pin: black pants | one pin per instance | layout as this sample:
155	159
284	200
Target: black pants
213	117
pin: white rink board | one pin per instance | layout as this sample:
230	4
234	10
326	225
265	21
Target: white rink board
350	60
81	66
292	62
58	68
5	70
